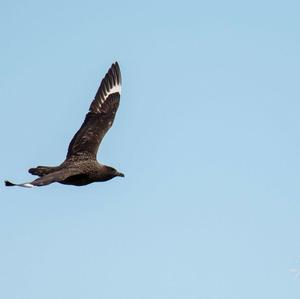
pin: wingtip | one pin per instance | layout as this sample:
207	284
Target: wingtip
25	185
116	65
8	184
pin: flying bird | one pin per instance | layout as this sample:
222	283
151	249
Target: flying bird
81	166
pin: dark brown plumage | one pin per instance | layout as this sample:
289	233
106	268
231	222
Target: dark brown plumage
80	166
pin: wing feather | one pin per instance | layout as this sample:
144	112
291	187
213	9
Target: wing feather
57	176
100	117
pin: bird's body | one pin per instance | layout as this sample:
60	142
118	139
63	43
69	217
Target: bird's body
80	172
81	167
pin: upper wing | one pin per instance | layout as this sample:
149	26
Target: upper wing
100	116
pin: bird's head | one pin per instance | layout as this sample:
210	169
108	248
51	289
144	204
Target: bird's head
117	173
113	172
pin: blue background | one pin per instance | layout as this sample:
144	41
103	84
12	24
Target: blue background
207	134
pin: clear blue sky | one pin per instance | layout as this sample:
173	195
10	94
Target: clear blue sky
208	135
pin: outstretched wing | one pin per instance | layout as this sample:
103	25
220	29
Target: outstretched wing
53	177
100	117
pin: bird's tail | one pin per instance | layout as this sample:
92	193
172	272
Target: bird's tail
10	184
42	170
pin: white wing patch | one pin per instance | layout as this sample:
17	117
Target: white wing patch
27	185
110	84
114	89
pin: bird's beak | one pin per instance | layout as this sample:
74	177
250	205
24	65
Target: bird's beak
121	174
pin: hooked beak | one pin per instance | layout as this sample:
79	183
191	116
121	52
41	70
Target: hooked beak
121	174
